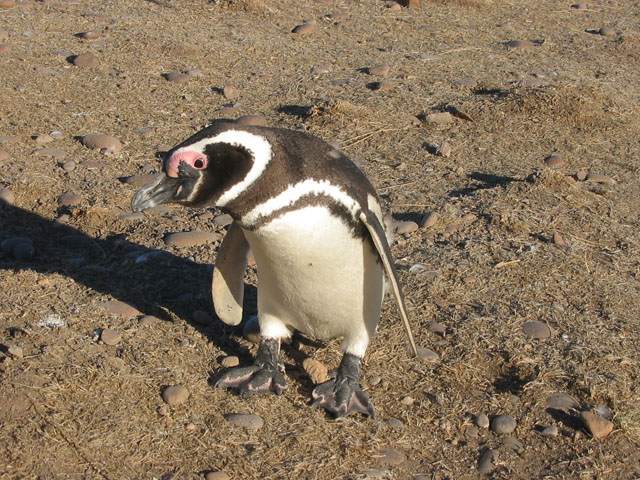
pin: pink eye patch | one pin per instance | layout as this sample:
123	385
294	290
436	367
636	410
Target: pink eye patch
197	160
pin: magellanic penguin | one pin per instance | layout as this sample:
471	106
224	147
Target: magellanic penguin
315	227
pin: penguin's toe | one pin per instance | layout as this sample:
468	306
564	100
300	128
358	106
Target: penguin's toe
252	380
341	398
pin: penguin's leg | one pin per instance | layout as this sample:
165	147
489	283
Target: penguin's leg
266	375
342	395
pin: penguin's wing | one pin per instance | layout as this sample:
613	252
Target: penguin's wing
227	286
379	238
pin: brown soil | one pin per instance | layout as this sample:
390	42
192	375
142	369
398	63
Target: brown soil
73	407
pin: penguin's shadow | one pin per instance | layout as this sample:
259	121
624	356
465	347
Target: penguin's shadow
155	282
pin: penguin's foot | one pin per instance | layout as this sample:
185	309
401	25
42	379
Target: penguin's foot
264	376
342	395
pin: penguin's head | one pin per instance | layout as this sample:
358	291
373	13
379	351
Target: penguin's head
198	174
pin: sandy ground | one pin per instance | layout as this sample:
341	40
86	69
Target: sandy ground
73	407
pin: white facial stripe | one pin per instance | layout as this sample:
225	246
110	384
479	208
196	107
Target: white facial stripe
297	191
258	147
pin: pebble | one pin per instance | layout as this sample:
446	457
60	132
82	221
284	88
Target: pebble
520	44
42	138
485	462
607	32
7	3
379	70
375	380
536	329
316	370
550	431
190	427
15	351
4	156
202	317
251	329
601	179
230	92
176	76
85	60
582	174
248	421
89	35
216	476
503	424
598	427
559	240
374	474
252	121
440	118
305	28
562	401
580	6
554	161
230	361
55	153
430	220
444	149
69	166
427	355
52	320
105	143
482	420
131	216
223	220
109	336
138	181
116	307
395	424
513	444
175	395
8	139
394	6
69	199
6	195
190	239
408	401
391	456
404	227
438	328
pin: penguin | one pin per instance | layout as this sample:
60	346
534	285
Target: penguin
315	227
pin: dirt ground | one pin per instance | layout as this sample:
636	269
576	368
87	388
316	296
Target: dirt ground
72	407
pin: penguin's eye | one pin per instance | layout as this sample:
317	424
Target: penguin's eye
199	164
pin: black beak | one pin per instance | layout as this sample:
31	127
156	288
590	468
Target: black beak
163	190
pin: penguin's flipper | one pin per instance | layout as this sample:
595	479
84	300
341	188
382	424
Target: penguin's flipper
227	286
379	239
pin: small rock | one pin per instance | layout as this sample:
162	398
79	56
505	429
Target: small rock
604	411
55	153
405	227
89	35
230	92
69	199
251	329
438	328
536	329
559	240
4	156
427	355
42	139
562	401
485	462
139	181
554	161
122	309
418	268
580	6
607	32
375	380
190	427
379	70
598	427
163	411
8	139
6	195
394	6
503	424
430	220
190	239
248	421
395	424
305	28
230	361
444	149
109	336
582	174
550	431
482	420
7	3
316	370
252	121
52	320
176	77
105	143
85	60
601	179
175	395
391	456
513	444
520	44
15	351
223	220
69	166
202	317
216	476
131	217
408	401
440	118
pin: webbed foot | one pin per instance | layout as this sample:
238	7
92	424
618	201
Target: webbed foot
342	395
